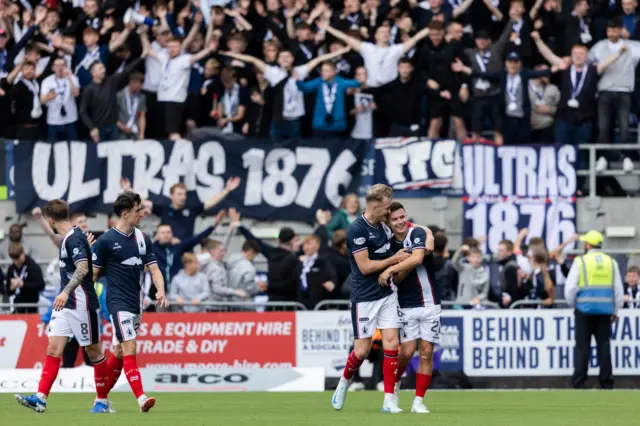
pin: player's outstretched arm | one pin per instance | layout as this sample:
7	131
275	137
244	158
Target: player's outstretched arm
37	215
369	267
82	269
158	281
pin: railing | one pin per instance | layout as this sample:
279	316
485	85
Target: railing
592	173
209	305
346	304
560	303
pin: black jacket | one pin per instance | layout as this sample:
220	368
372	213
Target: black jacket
321	271
33	284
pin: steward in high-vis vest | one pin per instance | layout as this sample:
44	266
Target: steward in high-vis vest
594	288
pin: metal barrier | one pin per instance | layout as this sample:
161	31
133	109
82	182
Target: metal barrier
340	305
209	305
560	303
346	304
591	173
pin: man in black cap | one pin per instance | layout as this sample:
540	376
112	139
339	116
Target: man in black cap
487	57
514	82
283	264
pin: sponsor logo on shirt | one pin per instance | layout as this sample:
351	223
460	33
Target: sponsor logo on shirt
132	261
385	248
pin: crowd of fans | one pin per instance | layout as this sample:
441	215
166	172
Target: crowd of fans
523	70
199	270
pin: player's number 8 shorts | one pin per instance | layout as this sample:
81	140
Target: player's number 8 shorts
79	323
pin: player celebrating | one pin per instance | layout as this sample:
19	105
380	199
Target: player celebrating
121	254
75	312
372	306
419	302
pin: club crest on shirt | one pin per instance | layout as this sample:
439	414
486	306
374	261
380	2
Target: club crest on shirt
185	213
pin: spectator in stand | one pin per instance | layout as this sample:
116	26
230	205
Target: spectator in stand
215	269
329	113
515	104
59	92
189	288
132	109
576	26
402	101
363	107
283	264
510	277
24	279
380	59
176	69
577	107
615	89
233	104
177	215
539	285
487	57
521	27
260	109
99	104
546	97
240	267
15	236
317	275
446	94
350	210
25	98
167	251
631	291
630	28
288	105
473	278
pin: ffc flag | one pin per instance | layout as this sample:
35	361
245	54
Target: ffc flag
507	188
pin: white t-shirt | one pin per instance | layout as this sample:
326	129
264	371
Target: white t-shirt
381	62
175	78
153	69
293	104
64	98
363	127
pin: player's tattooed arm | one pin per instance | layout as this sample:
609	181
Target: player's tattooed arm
82	269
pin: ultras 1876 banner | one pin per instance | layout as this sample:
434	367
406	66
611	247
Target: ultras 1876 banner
286	181
507	188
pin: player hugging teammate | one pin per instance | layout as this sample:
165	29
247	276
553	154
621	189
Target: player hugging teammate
386	251
121	254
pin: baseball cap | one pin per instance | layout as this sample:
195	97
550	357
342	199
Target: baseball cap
513	56
593	238
286	234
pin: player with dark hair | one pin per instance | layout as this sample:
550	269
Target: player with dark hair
75	312
418	299
121	254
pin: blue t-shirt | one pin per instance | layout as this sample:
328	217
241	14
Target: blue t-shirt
419	286
122	259
75	248
361	235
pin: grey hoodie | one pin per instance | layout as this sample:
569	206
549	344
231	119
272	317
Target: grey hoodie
242	273
472	282
190	287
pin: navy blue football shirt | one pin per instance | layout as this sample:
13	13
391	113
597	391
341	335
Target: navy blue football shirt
122	259
75	248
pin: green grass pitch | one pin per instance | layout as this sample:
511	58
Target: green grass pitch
475	408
